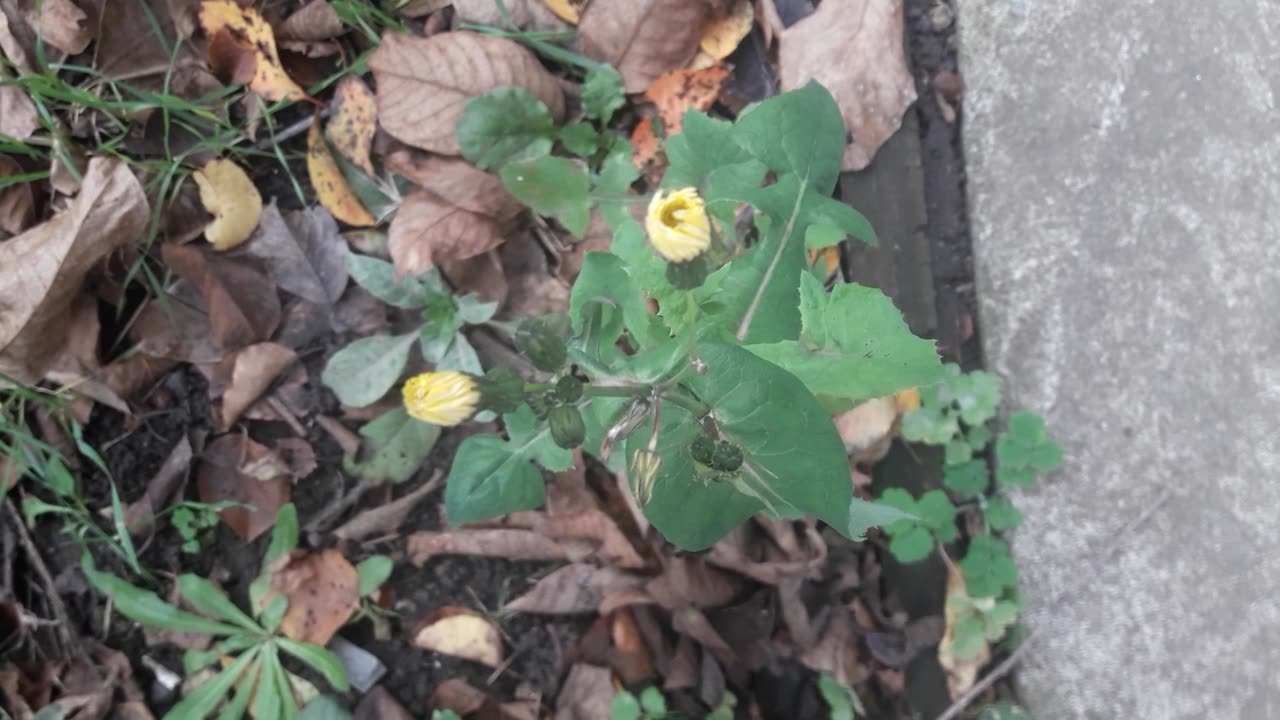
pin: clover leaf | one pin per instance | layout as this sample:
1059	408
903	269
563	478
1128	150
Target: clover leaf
987	567
911	540
1024	450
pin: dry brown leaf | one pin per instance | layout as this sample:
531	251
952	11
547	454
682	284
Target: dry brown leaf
323	592
331	185
533	288
229	61
233	200
688	580
17	202
139	515
678	91
378	704
867	429
646	147
457	182
302	251
64	26
632	658
423	83
419	8
482	275
461	633
250	30
727	28
175	328
587	692
529	15
569	11
854	49
592	529
483	542
241	302
316	20
250	371
691	622
222	477
427	231
961	674
643	38
576	588
385	519
128	48
18	116
42	270
354	121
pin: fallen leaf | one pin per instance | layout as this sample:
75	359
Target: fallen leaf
64	26
836	649
692	622
323	592
646	146
677	91
269	78
18	116
462	698
139	515
482	542
176	328
591	528
230	196
532	288
631	656
461	633
644	38
249	372
576	588
423	83
961	672
528	15
726	29
688	580
241	302
456	182
482	275
569	11
128	46
231	62
427	231
222	477
317	20
42	270
855	50
587	692
386	519
330	184
354	121
302	251
378	704
867	429
17	202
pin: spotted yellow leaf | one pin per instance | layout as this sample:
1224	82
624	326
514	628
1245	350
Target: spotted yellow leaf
229	195
247	28
726	30
354	122
567	10
330	184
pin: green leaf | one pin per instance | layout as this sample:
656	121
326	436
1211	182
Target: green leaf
703	147
284	534
795	461
202	701
580	139
968	639
273	614
938	514
1001	514
624	706
929	424
473	311
1025	449
839	698
206	598
1004	710
503	124
817	237
146	608
987	567
269	697
373	572
605	284
491	476
798	132
654	704
444	715
597	414
322	660
379	278
52	711
966	479
978	436
856	346
324	707
977	395
831	213
602	93
552	186
958	451
395	446
864	515
362	372
911	545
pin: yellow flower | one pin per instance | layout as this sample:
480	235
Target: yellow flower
441	398
677	224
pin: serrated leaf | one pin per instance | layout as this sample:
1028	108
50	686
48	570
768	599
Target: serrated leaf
552	186
395	446
799	132
604	282
704	146
602	93
362	372
503	124
580	139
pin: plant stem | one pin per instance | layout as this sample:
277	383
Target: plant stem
695	407
614	390
537	387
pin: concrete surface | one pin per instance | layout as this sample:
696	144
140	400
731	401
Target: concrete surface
1124	162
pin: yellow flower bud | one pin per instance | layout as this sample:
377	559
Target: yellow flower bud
441	398
677	224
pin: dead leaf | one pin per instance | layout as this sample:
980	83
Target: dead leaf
855	50
726	29
867	429
316	20
233	200
677	91
482	275
423	83
569	11
64	26
427	231
247	26
575	588
330	184
644	38
691	622
139	515
528	15
241	302
302	251
128	46
248	373
323	592
459	696
354	121
586	695
42	270
631	654
17	202
378	704
385	519
231	62
961	673
646	146
176	328
594	530
483	542
222	477
18	116
688	580
456	182
532	287
461	633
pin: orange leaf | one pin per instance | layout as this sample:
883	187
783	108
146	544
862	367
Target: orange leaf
330	184
677	91
354	122
251	31
323	592
726	30
647	149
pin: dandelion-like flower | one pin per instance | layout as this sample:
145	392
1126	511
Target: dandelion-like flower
677	224
441	398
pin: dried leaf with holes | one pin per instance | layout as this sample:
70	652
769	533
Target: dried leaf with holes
354	121
423	83
323	589
643	38
250	30
461	633
727	28
854	49
230	196
330	184
679	91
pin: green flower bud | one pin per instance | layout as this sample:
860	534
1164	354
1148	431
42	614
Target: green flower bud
542	340
702	449
687	275
568	389
567	428
501	390
540	404
727	457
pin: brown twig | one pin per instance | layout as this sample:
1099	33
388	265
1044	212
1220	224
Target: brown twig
63	621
